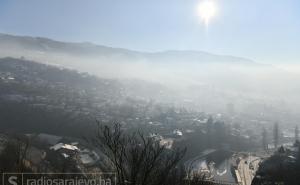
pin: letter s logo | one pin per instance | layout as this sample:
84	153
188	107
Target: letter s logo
13	180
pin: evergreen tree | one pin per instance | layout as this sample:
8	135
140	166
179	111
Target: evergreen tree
209	130
276	135
264	139
296	134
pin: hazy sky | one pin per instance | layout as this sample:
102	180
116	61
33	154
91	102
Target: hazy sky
264	30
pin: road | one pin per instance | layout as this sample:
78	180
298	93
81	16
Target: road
221	172
192	162
244	172
247	169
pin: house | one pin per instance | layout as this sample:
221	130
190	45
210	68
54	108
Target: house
66	150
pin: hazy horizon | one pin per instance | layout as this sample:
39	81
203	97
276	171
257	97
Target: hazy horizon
266	32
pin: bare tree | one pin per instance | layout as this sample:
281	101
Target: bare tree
137	159
13	156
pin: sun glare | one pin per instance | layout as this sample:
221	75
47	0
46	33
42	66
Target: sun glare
207	10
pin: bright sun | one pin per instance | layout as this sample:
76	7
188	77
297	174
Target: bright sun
207	10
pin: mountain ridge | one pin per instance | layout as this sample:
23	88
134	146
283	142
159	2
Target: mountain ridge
88	49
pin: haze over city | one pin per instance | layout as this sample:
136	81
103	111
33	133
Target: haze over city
172	92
